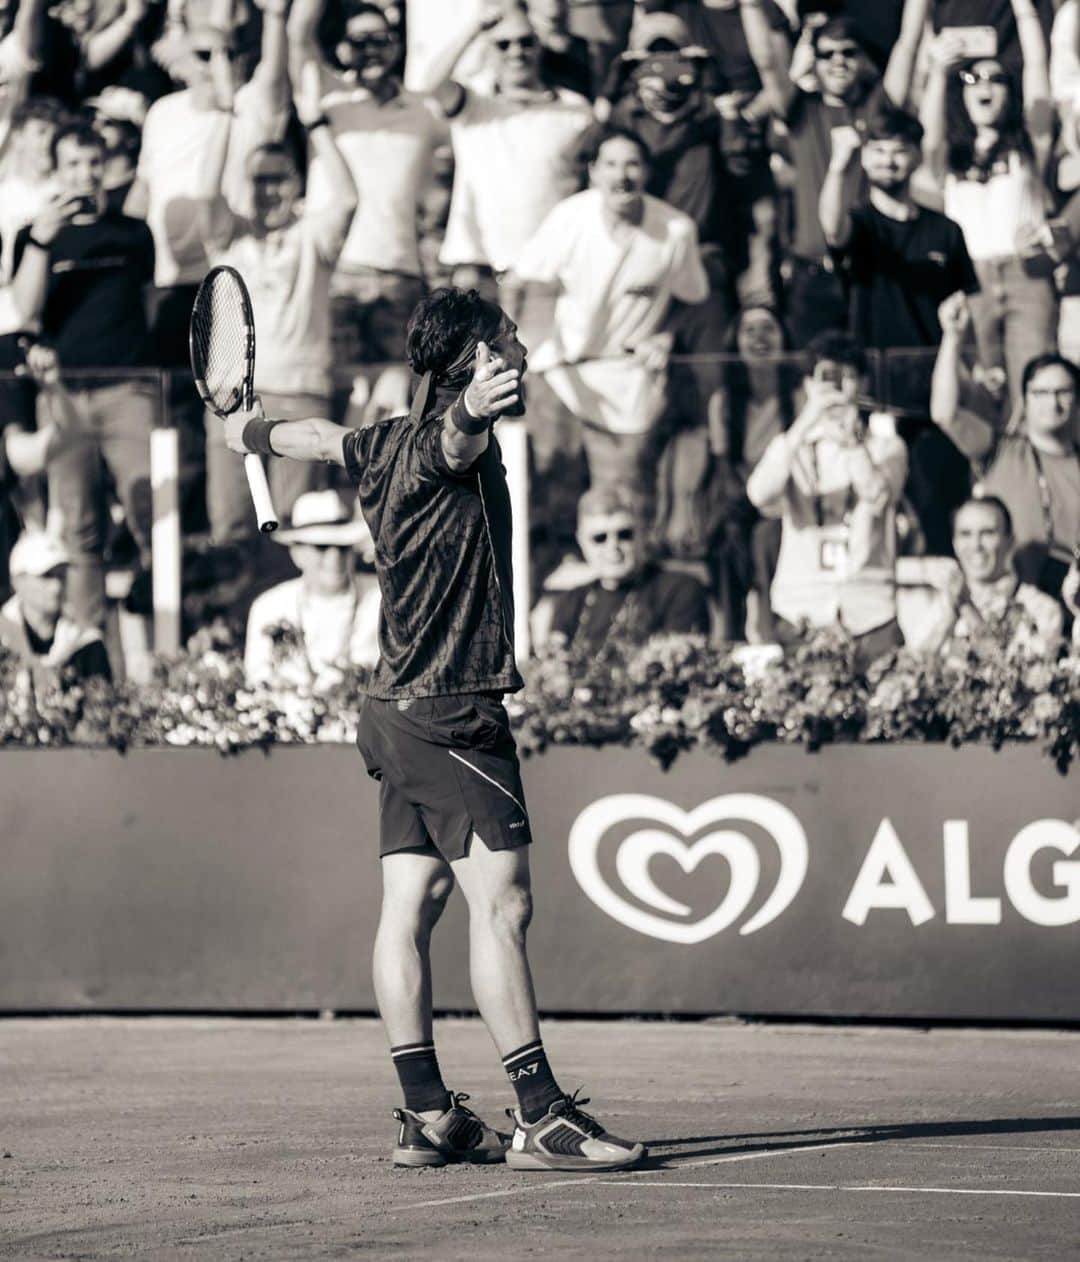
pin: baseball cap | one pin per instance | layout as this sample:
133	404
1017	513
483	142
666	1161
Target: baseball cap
648	28
36	552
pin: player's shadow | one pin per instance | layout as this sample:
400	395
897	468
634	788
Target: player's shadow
661	1151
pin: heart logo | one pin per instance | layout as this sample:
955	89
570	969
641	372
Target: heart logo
637	851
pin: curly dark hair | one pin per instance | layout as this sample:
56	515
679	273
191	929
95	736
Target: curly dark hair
960	130
444	326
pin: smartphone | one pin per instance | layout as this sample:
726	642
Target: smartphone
831	375
977	42
85	206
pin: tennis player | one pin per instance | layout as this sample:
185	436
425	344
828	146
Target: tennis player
434	733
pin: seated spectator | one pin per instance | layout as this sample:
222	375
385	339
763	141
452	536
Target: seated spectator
984	603
287	249
849	92
1034	467
387	136
333	616
53	646
616	257
628	599
988	144
515	156
86	282
834	480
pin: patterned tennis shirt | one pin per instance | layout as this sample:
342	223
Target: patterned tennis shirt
442	557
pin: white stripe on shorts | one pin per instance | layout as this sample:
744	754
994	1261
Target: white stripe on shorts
484	776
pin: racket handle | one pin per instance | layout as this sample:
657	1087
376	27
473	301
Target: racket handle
260	493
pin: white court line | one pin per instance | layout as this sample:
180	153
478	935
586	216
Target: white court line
584	1177
794	1150
991	1147
835	1187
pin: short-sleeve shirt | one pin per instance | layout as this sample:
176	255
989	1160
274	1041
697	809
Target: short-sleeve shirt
176	138
810	121
94	307
514	160
899	272
614	292
443	561
387	147
1013	476
685	168
288	273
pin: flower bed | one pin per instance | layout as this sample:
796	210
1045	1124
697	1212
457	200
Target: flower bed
675	693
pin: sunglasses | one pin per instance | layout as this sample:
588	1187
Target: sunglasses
372	41
846	52
972	77
204	54
623	535
524	41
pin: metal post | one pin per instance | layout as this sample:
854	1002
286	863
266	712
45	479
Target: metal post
513	439
165	543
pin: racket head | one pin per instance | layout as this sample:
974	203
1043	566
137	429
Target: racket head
221	342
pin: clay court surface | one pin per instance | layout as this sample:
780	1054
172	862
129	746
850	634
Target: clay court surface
269	1139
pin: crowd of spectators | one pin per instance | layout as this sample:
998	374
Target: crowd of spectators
800	282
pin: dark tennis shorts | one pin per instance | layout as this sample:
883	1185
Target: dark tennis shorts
447	768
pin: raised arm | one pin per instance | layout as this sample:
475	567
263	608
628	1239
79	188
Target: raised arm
342	197
945	52
1038	108
29	454
30	283
29	28
440	83
834	209
776	86
900	71
766	485
101	46
271	77
973	436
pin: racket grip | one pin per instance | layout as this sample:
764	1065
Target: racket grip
260	493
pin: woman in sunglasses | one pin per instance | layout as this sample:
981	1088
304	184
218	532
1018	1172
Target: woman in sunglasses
988	141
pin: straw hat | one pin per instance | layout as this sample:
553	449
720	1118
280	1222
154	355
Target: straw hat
320	517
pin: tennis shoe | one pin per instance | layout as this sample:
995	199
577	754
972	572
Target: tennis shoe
568	1138
458	1136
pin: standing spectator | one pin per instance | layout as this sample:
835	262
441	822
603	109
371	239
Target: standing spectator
287	250
989	145
999	14
386	136
983	603
900	261
52	646
26	183
849	93
22	28
1034	468
515	157
834	480
179	136
87	283
616	257
628	598
335	618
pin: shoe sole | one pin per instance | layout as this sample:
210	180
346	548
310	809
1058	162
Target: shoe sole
569	1165
417	1157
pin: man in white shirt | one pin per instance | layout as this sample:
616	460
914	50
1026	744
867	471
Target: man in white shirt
287	251
305	632
834	479
616	258
386	136
515	156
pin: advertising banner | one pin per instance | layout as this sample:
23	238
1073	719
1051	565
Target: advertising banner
897	881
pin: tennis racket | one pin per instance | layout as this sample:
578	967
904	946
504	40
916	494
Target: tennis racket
222	344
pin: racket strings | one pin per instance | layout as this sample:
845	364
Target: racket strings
220	343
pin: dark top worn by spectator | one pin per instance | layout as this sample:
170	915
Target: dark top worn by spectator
995	13
442	544
810	122
900	272
721	32
94	312
652	602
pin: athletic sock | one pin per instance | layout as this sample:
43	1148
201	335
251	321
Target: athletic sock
531	1077
418	1072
